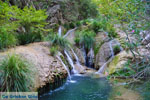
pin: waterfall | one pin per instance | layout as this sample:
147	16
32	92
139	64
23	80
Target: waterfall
91	56
84	54
111	48
102	68
64	67
70	61
69	32
59	31
77	59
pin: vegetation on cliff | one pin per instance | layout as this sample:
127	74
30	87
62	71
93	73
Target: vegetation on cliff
26	21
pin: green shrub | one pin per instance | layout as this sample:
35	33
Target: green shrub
116	49
85	38
54	50
33	36
7	27
33	22
77	41
87	9
16	75
12	18
57	40
111	30
7	39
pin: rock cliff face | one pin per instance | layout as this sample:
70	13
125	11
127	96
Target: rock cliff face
46	67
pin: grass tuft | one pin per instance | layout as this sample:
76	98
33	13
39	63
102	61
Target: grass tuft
15	76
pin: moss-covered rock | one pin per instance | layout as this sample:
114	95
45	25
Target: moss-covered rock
118	62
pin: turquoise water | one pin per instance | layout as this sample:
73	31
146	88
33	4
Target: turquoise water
81	88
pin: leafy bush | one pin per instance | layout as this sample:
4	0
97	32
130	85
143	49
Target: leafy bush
100	24
33	36
54	50
125	72
30	17
85	38
111	31
28	22
116	49
32	21
57	40
15	76
7	39
7	27
87	9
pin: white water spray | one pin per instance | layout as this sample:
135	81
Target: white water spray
65	67
77	59
102	68
70	61
69	32
111	48
59	31
91	56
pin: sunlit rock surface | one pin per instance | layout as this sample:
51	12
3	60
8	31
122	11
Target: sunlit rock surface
118	62
46	66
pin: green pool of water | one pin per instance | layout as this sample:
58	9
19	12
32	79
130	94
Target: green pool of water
81	88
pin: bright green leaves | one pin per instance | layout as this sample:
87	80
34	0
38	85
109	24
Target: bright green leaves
15	75
14	20
85	38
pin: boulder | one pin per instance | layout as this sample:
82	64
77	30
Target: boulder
46	66
101	37
80	55
105	53
118	62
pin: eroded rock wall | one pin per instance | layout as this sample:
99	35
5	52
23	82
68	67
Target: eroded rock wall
46	67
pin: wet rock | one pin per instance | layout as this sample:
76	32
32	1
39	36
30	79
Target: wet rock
145	37
45	67
80	69
80	55
105	53
101	37
118	62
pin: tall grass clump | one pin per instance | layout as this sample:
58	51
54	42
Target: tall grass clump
15	76
85	38
59	42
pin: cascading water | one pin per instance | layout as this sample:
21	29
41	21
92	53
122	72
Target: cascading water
70	61
59	31
77	59
111	48
58	57
91	57
69	32
102	68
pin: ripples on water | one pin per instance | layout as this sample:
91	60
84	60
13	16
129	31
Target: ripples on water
81	88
